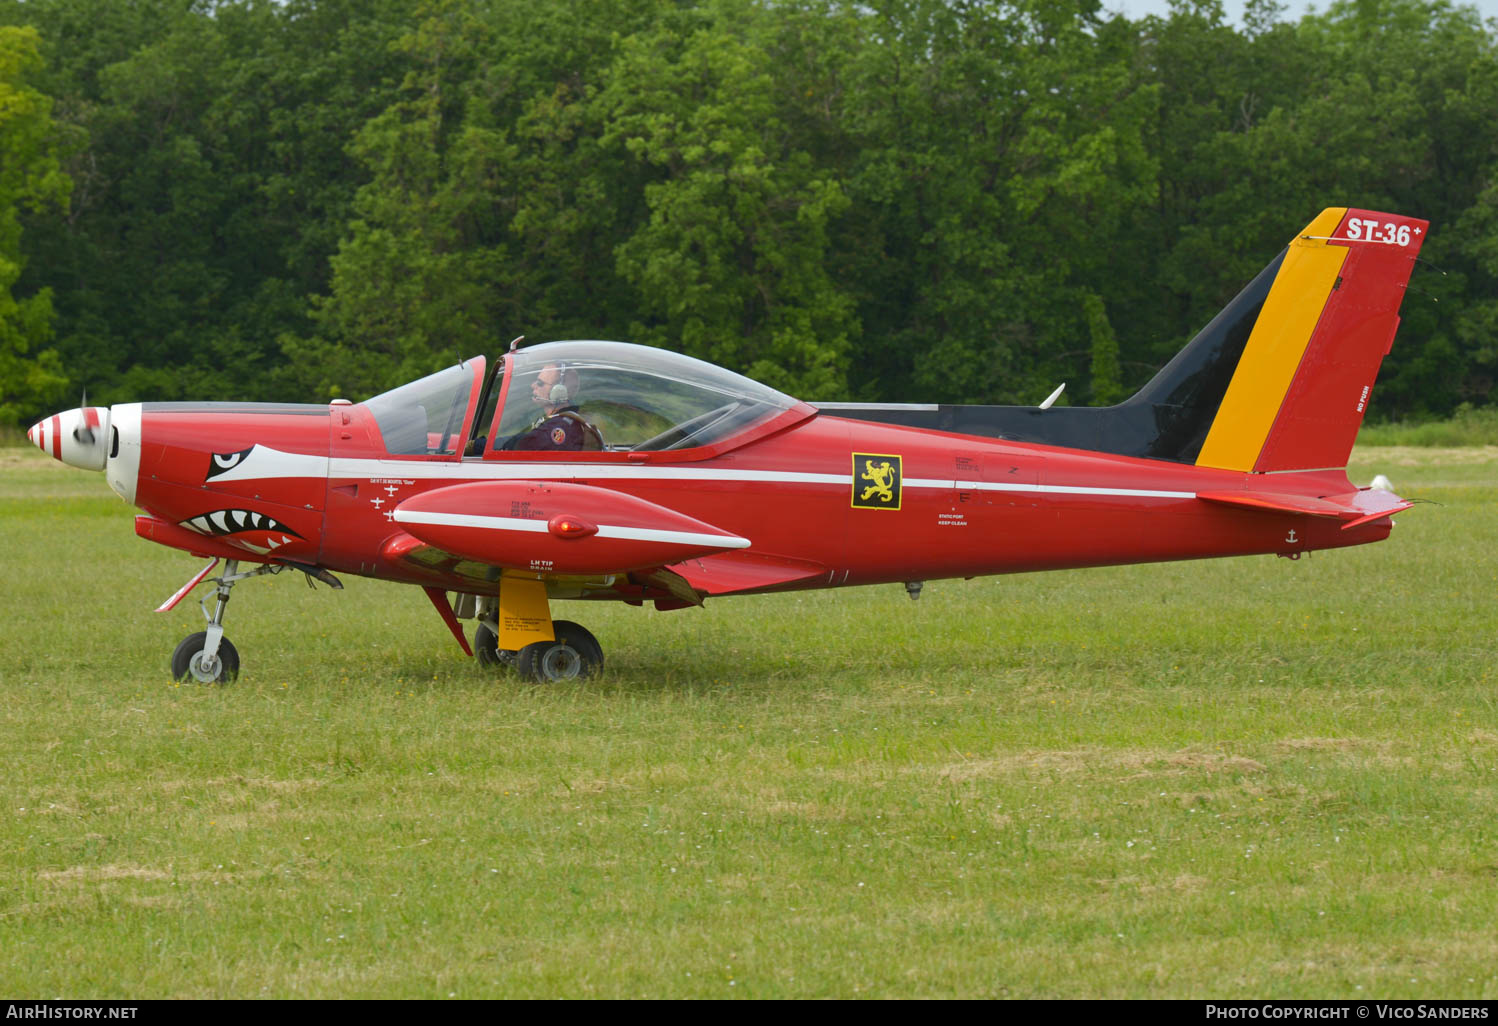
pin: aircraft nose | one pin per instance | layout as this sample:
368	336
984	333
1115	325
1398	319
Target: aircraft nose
79	438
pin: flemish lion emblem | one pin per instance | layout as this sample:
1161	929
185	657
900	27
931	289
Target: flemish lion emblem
876	481
883	478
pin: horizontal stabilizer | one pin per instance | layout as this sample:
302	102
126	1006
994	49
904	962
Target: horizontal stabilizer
1356	507
1278	503
557	527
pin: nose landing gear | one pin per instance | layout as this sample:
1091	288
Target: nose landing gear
208	657
193	661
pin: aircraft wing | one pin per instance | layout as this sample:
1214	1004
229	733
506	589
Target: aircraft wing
557	527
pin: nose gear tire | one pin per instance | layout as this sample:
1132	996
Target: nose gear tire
188	665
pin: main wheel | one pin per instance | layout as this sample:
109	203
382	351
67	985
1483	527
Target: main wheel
188	663
486	647
574	654
582	638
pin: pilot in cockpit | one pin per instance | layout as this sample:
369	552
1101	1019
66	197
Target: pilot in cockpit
561	426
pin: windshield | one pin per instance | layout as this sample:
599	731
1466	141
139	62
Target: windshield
615	396
424	417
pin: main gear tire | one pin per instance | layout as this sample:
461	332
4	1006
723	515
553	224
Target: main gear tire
486	648
582	637
574	655
189	666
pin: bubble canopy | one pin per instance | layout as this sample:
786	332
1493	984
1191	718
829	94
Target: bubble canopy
631	397
625	398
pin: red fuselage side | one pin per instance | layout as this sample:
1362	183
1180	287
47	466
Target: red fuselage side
819	495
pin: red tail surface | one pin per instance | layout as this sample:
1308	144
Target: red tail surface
1301	388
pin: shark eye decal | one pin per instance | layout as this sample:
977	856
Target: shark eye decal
222	463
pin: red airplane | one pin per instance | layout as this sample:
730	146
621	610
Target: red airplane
600	470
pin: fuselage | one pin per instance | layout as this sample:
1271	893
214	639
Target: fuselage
314	485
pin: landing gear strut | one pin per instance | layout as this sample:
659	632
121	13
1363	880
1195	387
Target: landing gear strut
208	657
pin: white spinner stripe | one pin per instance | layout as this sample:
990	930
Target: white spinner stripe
540	527
265	462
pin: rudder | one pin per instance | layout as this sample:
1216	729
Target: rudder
1299	392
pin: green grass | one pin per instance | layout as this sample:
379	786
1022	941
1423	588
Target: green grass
1248	777
1468	426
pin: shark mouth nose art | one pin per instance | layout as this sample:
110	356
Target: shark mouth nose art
251	530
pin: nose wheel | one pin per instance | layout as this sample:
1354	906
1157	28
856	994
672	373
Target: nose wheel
192	662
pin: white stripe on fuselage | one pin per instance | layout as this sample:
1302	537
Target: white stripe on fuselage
722	541
265	462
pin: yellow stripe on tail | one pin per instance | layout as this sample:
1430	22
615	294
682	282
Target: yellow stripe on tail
1275	347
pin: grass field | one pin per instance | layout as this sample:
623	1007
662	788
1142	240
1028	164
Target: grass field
1240	778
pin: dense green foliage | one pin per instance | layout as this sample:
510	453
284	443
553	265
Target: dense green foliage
29	179
890	200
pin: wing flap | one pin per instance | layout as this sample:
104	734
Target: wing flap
732	572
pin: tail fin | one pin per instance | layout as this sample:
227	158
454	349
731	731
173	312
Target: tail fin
1279	380
1298	393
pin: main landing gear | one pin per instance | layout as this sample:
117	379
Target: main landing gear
574	654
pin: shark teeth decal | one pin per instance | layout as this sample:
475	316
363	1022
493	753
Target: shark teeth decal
221	522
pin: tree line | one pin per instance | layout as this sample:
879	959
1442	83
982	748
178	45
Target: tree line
886	200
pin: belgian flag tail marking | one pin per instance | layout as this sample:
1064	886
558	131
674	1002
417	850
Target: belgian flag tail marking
1300	389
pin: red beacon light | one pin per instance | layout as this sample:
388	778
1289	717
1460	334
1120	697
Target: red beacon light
564	526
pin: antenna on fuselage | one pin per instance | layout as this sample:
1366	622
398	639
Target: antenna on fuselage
516	344
1053	396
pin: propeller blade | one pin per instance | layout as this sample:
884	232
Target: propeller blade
84	432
